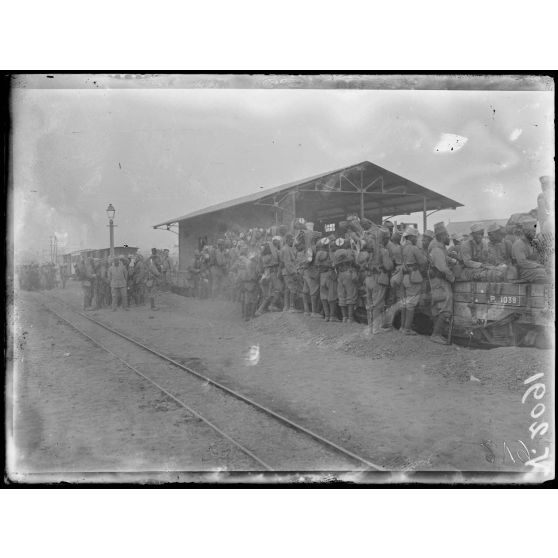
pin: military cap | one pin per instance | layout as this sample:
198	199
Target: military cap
219	241
477	227
321	255
440	228
339	242
428	233
277	238
494	227
410	231
289	235
388	224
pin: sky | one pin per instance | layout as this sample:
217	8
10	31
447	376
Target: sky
160	153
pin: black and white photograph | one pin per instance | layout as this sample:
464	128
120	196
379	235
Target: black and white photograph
280	278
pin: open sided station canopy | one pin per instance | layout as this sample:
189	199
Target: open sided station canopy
365	189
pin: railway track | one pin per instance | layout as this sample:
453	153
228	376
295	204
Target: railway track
273	441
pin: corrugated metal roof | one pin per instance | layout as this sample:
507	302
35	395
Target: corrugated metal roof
260	194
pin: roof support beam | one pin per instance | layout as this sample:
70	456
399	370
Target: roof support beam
379	178
356	188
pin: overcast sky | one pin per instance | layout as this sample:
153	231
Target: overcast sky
161	153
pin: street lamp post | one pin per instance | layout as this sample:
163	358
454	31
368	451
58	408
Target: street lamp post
110	213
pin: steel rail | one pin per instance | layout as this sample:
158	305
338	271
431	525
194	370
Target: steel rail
174	398
277	416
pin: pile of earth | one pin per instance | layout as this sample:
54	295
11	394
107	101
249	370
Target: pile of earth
504	367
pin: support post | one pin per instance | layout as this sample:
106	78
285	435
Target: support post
362	204
424	215
111	229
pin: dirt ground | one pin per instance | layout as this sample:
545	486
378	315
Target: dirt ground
402	402
78	409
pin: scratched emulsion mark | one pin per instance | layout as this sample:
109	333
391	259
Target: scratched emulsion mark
252	356
450	143
515	134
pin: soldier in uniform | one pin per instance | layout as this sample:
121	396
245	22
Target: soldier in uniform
441	279
323	265
97	285
118	277
345	265
205	273
165	269
499	255
300	263
152	277
288	262
427	237
413	261
394	298
138	279
473	254
63	275
248	278
455	249
270	282
86	275
217	269
332	283
310	276
524	254
377	266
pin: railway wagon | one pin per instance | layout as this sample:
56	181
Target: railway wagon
70	260
497	314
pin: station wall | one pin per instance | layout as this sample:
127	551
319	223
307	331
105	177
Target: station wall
213	226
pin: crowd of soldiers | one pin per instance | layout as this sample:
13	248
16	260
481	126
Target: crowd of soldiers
47	276
119	281
387	269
